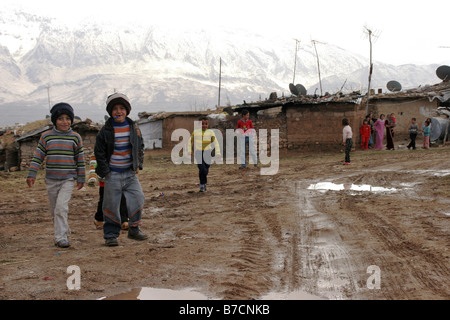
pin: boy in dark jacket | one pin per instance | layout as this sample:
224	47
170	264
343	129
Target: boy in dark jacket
119	151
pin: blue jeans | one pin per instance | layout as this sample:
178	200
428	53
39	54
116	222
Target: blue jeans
250	141
203	160
116	184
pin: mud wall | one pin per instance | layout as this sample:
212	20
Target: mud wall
404	110
320	126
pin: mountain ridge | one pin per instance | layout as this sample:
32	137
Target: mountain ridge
165	69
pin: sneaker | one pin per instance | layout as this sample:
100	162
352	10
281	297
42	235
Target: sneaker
346	163
124	226
111	242
136	234
62	244
202	189
98	224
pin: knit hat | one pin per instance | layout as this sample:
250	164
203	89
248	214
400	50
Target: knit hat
115	99
59	109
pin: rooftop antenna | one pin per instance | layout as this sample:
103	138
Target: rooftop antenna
318	65
295	59
370	34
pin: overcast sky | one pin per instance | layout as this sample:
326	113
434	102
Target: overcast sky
407	32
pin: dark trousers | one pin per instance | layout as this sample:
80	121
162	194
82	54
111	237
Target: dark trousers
203	160
123	207
413	137
348	148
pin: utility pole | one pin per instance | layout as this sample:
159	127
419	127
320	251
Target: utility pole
370	34
220	80
370	69
48	97
318	65
295	59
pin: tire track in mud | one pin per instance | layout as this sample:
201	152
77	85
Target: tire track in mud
327	268
250	264
406	265
410	270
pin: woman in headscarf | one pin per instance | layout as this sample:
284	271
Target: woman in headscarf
379	128
390	124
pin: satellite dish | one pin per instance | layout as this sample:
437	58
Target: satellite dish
394	86
443	72
293	89
301	89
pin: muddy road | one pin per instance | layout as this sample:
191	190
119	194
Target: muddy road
376	229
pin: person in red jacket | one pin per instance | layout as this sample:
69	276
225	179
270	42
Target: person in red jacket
365	135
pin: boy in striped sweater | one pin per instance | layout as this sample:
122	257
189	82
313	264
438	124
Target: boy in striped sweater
63	150
119	150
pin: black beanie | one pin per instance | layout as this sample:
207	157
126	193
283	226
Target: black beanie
59	109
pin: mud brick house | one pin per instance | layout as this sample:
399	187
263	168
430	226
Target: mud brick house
306	122
420	103
28	142
157	128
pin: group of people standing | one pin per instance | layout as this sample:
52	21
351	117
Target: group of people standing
373	130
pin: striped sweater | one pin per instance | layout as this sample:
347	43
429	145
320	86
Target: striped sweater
64	156
204	140
121	159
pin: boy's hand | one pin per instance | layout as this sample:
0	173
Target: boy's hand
80	185
30	181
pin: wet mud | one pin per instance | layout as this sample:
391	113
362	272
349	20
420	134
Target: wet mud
286	236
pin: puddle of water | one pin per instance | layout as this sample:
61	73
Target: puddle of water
324	186
158	294
295	295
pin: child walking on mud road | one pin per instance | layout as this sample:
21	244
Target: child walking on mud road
347	135
200	143
63	150
119	151
98	217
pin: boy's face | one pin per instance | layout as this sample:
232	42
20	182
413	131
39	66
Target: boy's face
246	116
119	113
63	123
413	121
204	125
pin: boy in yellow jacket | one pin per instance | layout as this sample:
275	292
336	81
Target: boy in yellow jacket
202	143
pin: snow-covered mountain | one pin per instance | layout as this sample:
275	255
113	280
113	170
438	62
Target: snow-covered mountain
166	69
